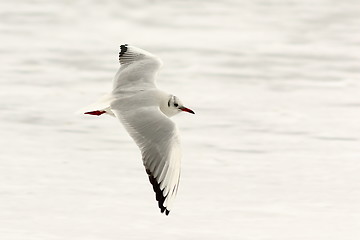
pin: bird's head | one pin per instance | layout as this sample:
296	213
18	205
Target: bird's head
175	106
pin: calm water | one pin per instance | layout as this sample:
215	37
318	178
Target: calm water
272	152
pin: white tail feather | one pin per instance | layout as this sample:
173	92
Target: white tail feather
103	104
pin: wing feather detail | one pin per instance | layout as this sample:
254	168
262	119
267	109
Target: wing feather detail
157	137
137	71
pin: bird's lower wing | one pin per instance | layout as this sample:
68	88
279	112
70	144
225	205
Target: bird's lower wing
157	137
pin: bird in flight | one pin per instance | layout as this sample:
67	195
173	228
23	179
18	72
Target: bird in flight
145	112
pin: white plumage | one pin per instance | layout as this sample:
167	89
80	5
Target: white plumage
144	110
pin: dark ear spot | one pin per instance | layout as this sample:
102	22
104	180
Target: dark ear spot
169	102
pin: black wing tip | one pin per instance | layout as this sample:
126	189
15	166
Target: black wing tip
123	49
164	210
158	192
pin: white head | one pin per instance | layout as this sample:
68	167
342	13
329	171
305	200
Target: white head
174	106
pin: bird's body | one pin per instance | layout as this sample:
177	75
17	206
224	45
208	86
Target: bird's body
144	111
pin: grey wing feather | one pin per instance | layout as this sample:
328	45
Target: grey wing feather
137	71
157	137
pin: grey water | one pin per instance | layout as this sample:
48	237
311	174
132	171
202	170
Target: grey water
271	153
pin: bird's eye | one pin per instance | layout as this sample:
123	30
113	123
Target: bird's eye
175	104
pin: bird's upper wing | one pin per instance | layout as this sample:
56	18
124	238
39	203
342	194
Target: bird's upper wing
137	71
157	137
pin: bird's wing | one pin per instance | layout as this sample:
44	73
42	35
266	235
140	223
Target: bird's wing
137	71
157	137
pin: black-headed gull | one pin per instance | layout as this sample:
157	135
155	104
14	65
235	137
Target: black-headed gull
144	110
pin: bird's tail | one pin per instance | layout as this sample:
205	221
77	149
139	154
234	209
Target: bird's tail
100	107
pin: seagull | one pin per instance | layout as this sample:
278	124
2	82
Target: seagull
145	112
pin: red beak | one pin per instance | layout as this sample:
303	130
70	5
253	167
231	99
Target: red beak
186	110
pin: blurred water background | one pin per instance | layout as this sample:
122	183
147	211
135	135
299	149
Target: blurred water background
271	154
